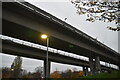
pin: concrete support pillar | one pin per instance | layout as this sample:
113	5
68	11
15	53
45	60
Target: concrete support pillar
91	63
118	67
110	70
106	64
97	64
85	71
45	68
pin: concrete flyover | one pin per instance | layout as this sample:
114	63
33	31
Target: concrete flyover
12	48
25	21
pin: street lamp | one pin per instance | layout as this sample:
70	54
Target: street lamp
44	36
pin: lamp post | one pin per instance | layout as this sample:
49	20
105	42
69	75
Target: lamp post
44	36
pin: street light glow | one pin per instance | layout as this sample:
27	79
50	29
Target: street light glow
12	69
44	36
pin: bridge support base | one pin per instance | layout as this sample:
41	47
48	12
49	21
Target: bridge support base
85	71
97	65
91	63
94	65
47	69
119	68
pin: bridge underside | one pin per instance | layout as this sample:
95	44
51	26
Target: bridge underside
9	47
24	33
19	22
12	48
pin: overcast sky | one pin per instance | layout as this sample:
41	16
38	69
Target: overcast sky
64	9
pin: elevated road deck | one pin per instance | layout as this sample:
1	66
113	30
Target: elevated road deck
27	22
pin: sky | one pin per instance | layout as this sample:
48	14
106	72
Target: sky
64	9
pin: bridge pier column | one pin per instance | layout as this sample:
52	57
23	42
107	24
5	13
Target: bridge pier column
85	71
91	63
47	68
106	64
110	69
118	67
97	64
